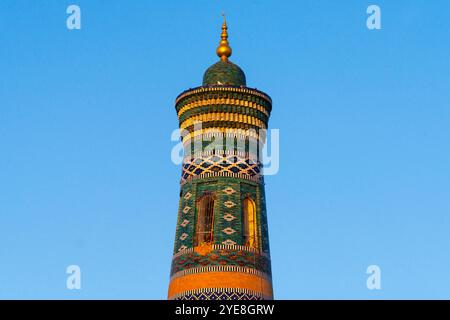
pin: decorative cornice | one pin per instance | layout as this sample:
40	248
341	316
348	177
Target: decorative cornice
221	153
223	101
225	268
257	178
207	133
225	247
223	116
202	89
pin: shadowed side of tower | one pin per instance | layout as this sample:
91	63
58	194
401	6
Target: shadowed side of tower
221	246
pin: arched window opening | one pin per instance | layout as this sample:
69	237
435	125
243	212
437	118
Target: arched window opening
249	220
205	219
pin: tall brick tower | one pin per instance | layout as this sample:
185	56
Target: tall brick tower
221	247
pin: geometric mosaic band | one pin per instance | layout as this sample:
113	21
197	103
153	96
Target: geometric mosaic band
219	294
223	257
228	165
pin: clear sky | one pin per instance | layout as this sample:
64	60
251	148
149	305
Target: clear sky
86	115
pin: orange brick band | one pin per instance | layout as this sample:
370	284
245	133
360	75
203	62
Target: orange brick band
219	280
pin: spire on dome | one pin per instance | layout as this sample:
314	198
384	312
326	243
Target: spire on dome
223	50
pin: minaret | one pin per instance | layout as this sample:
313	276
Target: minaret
221	247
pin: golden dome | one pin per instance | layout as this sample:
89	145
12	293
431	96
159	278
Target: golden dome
224	50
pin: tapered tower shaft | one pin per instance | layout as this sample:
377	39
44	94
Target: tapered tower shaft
221	246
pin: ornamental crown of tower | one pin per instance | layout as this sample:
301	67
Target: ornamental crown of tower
221	248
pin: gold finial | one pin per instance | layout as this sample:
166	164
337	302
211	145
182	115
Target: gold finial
224	50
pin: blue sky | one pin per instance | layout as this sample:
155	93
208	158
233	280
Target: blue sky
86	116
